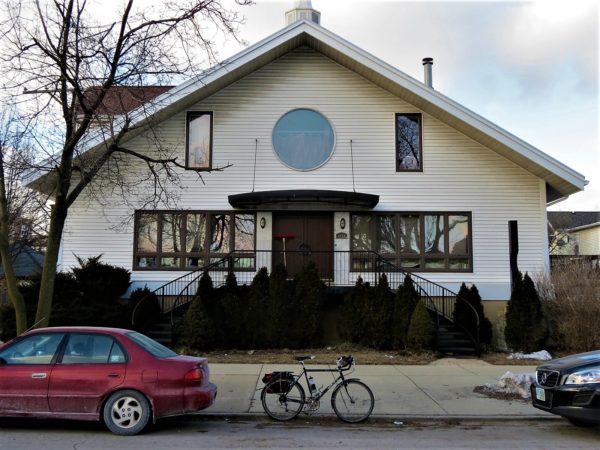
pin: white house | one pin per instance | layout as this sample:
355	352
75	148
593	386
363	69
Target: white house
575	235
331	153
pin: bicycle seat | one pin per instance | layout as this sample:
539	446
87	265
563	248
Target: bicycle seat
303	358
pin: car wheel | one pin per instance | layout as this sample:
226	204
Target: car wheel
126	412
582	423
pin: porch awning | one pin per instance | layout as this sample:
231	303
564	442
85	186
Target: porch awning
304	199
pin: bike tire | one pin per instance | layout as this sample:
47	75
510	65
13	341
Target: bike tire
282	406
352	401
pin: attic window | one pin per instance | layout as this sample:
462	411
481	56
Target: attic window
409	151
198	155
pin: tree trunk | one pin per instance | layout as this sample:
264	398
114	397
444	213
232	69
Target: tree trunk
9	274
57	223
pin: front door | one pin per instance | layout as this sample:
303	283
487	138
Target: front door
299	238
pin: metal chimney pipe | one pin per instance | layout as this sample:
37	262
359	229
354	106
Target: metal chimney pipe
427	67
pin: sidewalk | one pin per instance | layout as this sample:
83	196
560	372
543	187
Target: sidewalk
440	390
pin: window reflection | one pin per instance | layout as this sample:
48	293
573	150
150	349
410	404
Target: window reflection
387	234
362	233
195	235
147	233
408	141
184	235
199	140
412	241
410	234
220	233
171	233
434	234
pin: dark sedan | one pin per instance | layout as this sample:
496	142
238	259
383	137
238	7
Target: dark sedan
119	376
570	387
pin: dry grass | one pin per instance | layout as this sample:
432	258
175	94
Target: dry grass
328	355
361	355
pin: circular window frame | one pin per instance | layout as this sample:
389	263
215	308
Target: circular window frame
333	145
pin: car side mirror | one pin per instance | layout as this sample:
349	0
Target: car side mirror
2	362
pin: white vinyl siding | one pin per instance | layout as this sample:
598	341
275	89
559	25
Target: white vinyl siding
458	173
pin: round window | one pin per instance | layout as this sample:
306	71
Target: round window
303	139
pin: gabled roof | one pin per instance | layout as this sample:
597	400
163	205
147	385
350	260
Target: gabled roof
576	220
123	99
25	260
561	181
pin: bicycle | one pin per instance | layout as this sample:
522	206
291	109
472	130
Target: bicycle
283	396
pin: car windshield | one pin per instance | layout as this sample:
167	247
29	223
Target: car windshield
151	346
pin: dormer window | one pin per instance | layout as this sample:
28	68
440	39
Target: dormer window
409	148
198	155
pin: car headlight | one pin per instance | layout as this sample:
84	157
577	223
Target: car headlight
584	376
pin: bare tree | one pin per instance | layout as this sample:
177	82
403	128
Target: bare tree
23	212
69	61
560	239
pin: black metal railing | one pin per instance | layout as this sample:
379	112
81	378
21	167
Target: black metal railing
181	290
336	268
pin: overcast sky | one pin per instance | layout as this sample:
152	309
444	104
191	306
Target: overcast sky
530	67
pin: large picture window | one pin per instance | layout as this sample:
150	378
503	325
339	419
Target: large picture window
179	240
415	241
198	155
409	149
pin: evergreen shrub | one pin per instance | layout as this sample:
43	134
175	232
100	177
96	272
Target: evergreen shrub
464	316
145	308
526	328
199	330
421	330
405	301
88	295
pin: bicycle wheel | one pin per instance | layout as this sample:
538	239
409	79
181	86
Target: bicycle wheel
282	406
352	401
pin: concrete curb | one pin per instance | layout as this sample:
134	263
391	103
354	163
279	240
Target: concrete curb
385	417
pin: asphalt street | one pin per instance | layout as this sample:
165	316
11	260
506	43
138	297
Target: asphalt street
304	432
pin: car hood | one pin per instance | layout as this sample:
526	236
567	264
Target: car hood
573	361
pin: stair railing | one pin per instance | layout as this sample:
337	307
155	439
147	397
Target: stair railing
171	294
442	301
370	265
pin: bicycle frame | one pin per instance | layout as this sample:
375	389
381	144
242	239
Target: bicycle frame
305	372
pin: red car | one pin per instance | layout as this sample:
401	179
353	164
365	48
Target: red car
119	376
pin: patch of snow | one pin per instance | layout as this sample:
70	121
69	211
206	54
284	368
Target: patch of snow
542	355
513	383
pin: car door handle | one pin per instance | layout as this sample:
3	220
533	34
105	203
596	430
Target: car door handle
38	375
113	375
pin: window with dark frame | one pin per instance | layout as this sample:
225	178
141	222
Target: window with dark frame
429	242
409	147
199	140
184	240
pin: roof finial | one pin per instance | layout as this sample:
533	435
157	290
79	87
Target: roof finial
302	10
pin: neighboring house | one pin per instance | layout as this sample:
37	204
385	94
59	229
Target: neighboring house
574	235
26	263
331	152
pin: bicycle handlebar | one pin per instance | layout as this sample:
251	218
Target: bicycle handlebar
344	362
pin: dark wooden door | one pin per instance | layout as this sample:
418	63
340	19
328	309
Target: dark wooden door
309	237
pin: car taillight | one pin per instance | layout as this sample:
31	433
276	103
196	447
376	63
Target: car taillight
195	375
